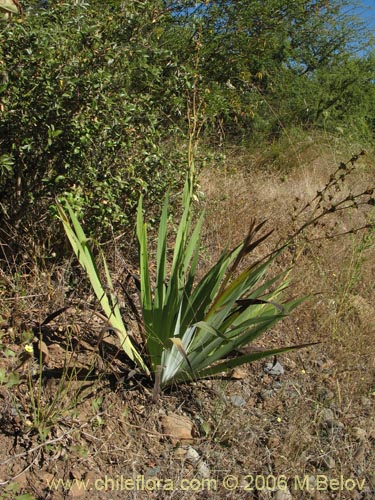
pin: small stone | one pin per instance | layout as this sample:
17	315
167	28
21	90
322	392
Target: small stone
178	428
194	458
238	401
274	368
192	455
283	495
359	433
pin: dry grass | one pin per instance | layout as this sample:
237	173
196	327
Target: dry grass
339	272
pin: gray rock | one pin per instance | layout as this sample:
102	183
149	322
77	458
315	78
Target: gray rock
327	415
274	368
237	401
266	394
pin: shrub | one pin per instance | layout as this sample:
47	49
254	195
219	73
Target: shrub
84	112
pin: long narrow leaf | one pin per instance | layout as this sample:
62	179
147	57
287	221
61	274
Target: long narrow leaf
79	241
248	358
161	258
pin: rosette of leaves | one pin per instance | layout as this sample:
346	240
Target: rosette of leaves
198	328
192	328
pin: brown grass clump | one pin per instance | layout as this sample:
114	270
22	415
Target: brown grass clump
338	271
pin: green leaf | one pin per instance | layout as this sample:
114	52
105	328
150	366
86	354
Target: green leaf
248	358
107	301
9	6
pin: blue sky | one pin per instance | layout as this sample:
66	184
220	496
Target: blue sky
368	12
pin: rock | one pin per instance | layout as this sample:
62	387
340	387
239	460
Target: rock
274	369
238	401
359	433
192	455
283	495
194	458
178	428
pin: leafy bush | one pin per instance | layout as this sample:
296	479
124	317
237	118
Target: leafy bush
85	111
192	326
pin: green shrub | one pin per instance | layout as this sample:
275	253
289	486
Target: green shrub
85	112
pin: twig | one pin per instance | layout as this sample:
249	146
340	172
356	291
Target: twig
22	471
46	443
